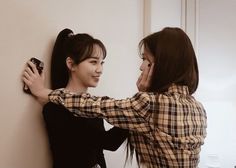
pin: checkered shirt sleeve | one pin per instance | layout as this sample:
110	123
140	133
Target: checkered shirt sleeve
131	113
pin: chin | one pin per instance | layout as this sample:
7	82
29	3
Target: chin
93	85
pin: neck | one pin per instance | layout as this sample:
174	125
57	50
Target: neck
75	86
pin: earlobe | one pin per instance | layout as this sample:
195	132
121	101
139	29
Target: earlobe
69	63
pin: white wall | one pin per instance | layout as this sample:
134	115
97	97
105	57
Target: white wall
29	28
217	64
165	13
211	27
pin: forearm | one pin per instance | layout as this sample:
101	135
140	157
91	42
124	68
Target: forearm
131	113
42	96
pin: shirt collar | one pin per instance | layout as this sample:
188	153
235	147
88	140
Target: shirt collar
178	89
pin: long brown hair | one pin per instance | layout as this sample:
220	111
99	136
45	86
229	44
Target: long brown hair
175	62
174	58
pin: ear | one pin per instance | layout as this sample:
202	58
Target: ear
70	64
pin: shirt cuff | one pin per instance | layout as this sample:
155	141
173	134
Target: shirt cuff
56	96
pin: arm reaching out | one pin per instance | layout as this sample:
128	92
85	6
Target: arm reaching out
130	113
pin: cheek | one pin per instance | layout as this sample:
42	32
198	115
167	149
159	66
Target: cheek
87	68
144	65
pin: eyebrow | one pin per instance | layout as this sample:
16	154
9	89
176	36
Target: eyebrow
93	57
144	55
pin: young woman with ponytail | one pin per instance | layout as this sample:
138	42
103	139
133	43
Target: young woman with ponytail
76	142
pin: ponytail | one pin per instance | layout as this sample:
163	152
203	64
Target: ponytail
59	71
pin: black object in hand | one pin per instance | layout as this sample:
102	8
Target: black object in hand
39	65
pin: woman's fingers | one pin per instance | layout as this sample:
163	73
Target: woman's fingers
149	75
26	75
144	80
33	67
28	71
145	73
139	79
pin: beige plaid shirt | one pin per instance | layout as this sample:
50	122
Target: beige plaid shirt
166	130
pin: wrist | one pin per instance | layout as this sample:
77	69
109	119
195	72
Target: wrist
42	95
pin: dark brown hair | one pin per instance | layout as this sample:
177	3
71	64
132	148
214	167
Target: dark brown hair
78	47
174	58
175	63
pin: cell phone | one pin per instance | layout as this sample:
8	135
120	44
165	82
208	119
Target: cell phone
39	65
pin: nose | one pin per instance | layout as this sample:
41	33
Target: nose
141	68
99	69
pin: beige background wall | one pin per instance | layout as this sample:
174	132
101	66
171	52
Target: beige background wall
29	27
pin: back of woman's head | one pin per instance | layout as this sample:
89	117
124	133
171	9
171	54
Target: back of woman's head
78	47
174	58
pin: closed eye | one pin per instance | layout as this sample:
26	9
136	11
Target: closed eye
94	61
143	57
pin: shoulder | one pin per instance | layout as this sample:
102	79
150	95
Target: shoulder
144	97
51	106
52	109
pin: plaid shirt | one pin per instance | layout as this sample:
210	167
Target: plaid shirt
166	130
